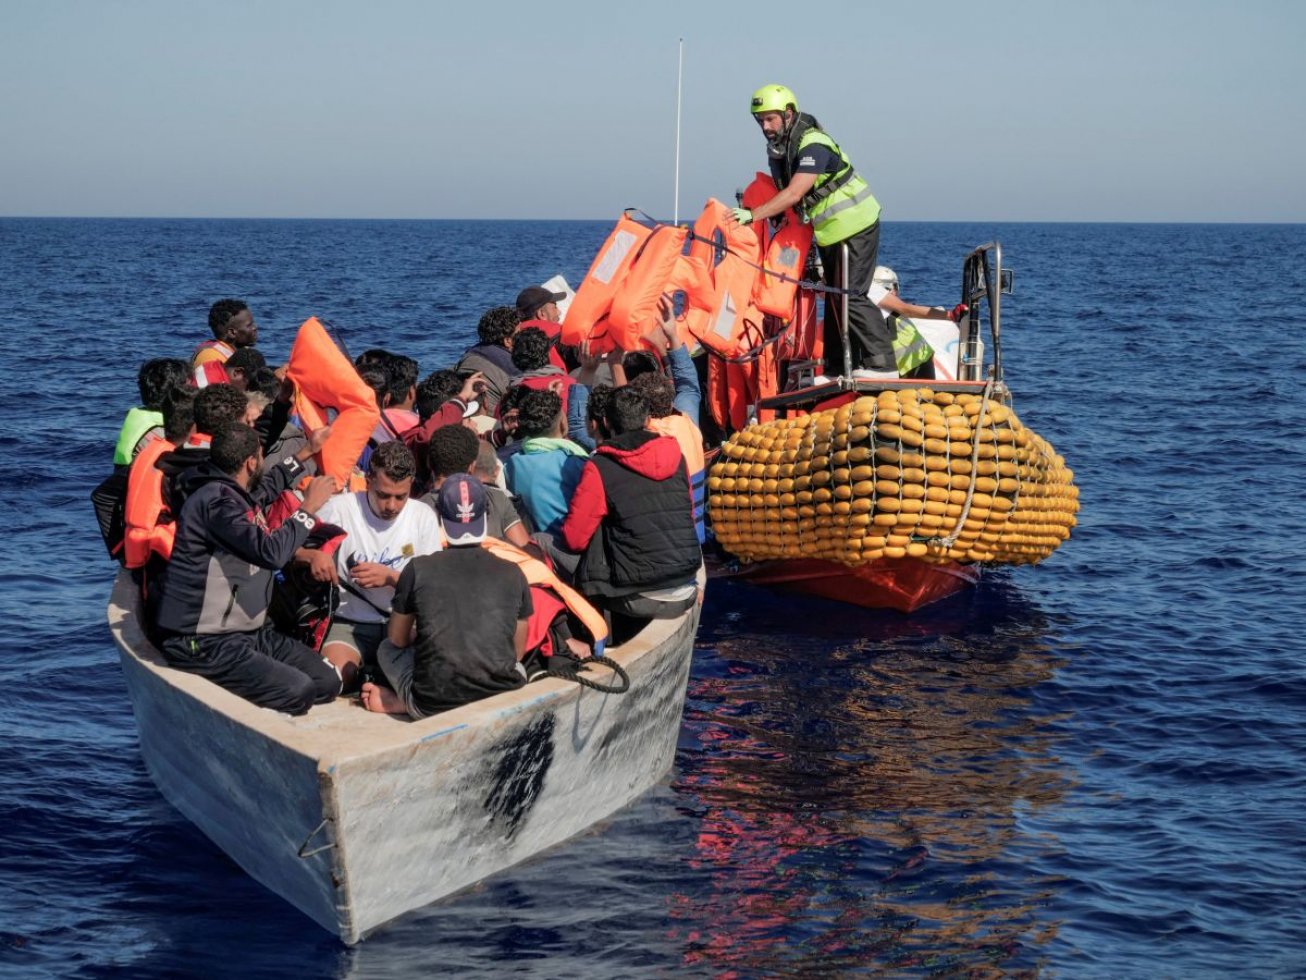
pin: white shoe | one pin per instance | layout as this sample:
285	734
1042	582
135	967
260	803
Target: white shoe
821	379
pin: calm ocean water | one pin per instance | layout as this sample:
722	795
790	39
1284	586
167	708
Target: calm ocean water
1092	768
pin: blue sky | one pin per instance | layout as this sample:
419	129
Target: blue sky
1151	110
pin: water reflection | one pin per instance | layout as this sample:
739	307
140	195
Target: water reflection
862	803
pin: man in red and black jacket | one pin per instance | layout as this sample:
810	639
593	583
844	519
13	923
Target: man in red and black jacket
632	519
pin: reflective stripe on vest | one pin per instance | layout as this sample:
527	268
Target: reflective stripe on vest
910	348
849	209
221	350
539	574
138	422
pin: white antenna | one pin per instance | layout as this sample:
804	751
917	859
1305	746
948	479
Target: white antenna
680	71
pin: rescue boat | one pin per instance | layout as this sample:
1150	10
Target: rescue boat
881	493
949	480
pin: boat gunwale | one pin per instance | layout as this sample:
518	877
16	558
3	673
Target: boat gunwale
360	733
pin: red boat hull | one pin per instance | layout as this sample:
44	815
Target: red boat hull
904	584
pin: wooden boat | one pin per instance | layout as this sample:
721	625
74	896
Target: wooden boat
356	818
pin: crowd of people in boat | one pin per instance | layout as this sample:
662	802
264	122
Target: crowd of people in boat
525	507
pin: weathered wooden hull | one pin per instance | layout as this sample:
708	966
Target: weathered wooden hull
356	818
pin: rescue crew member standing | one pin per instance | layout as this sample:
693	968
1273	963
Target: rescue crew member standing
816	178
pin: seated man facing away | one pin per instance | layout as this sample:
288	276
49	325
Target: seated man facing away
492	355
215	408
148	526
443	398
544	473
460	621
660	393
384	530
456	449
632	519
156	379
213	597
530	353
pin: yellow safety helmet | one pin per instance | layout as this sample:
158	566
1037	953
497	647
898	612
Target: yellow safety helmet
773	98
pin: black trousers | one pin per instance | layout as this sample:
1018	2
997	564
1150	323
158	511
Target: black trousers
869	336
264	666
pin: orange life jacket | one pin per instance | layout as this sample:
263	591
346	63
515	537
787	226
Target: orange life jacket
146	533
586	315
634	309
687	436
785	249
539	575
325	379
730	324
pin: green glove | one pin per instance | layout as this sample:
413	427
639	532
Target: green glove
742	215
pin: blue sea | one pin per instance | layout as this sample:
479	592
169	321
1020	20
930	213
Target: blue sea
1088	768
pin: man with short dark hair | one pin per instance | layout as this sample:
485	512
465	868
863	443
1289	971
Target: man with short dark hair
456	449
530	354
458	628
632	518
156	380
214	594
384	530
215	408
492	355
544	473
233	326
242	365
443	398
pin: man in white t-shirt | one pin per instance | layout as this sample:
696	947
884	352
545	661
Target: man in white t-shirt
384	530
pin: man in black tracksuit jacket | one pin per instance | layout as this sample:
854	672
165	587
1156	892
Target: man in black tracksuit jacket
215	590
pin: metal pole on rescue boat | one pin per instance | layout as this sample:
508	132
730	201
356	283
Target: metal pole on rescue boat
843	309
680	72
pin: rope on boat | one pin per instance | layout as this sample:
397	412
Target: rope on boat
951	539
566	667
303	848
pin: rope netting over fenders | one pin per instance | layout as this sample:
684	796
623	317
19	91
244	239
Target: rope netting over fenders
915	473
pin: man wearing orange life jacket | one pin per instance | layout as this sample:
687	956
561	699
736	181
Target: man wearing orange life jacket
157	380
232	325
149	526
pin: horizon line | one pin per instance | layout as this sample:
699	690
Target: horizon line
930	221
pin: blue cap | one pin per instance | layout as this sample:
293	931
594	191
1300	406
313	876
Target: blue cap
462	505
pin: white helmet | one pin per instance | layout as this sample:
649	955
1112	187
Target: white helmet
884	276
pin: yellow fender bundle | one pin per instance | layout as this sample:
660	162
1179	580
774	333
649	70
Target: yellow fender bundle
914	473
